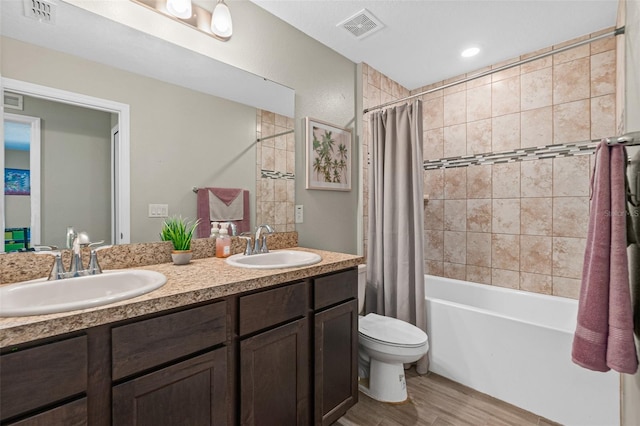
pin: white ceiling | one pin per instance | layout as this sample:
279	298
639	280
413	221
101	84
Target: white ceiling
422	39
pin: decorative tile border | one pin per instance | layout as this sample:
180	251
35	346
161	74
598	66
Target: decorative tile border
270	174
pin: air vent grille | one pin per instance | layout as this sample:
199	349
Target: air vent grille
12	100
362	24
41	10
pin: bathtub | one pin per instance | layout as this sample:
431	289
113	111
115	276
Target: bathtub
516	346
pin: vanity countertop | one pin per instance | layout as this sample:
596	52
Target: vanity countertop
200	281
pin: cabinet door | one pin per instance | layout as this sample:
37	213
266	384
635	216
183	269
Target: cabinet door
274	377
190	393
70	414
336	362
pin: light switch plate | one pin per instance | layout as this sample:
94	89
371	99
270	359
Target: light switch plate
299	217
158	210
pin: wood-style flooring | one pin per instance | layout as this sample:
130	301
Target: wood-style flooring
437	401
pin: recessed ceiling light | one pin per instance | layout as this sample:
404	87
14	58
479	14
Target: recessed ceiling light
472	51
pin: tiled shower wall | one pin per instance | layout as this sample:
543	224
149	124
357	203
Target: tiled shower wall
519	225
275	171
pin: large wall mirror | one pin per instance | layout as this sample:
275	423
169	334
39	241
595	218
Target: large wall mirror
193	122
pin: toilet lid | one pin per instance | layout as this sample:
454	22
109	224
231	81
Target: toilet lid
391	331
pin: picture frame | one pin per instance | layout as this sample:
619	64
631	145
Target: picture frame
328	156
17	182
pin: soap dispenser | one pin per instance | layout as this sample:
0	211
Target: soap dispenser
223	242
214	230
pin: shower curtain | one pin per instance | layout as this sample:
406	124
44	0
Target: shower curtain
395	261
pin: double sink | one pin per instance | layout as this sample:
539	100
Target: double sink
37	297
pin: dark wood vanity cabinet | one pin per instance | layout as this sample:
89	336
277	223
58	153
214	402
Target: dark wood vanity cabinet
278	356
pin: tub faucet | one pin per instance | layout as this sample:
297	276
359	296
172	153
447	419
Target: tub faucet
261	246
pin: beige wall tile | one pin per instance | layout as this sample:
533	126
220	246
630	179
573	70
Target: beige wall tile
505	252
603	116
455	247
280	190
479	137
535	254
433	144
280	160
455	271
434	183
479	215
268	158
571	176
455	140
432	114
537	64
267	189
536	127
479	181
566	287
505	278
291	162
374	97
432	267
479	249
373	76
603	73
385	84
536	178
535	283
434	215
570	217
571	54
505	132
568	256
478	274
506	180
508	73
571	81
456	87
434	245
506	216
455	108
455	215
536	216
536	89
571	122
455	183
604	44
505	96
479	103
481	81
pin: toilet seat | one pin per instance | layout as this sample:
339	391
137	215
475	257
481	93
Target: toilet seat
390	331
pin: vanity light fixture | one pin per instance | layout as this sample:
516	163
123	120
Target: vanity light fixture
221	24
180	8
472	51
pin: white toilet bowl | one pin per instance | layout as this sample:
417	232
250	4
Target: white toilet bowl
385	345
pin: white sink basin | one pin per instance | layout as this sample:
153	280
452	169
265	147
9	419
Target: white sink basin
275	259
38	297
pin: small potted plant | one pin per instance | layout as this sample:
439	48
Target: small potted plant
180	232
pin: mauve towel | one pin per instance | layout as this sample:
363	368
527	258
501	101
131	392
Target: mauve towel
604	333
204	228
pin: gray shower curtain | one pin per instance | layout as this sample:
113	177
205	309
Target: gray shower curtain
395	261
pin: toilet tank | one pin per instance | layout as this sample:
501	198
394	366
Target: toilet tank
362	284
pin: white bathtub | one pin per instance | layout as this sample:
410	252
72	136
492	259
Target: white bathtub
516	346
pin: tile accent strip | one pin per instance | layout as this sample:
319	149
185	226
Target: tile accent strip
270	174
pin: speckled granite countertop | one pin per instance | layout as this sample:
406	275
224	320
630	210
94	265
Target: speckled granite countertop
202	280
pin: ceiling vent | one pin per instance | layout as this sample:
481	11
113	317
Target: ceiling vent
362	24
41	10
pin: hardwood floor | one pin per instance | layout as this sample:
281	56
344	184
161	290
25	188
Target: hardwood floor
437	401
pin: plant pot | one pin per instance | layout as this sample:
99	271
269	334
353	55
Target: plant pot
181	257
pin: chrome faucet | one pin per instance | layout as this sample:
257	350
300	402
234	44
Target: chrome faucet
76	269
260	246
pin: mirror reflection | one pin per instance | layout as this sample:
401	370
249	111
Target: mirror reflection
179	137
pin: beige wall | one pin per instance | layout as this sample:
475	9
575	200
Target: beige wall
631	384
518	225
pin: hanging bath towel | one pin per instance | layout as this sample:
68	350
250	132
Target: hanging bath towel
223	205
604	333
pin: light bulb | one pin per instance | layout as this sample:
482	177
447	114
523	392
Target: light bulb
472	51
180	8
221	24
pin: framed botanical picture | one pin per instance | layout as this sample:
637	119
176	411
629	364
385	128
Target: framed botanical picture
328	156
17	182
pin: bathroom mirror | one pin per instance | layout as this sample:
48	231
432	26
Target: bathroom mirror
193	119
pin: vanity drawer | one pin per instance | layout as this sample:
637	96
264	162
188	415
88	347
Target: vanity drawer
42	375
271	307
146	344
335	288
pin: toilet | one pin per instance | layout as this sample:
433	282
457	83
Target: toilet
384	345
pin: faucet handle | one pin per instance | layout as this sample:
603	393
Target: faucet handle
57	271
247	236
94	267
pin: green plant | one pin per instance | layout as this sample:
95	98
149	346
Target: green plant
324	164
179	231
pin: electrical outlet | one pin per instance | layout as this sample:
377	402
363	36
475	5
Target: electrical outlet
299	217
158	210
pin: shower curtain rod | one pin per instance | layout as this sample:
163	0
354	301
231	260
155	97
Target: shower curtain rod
533	153
615	32
275	136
